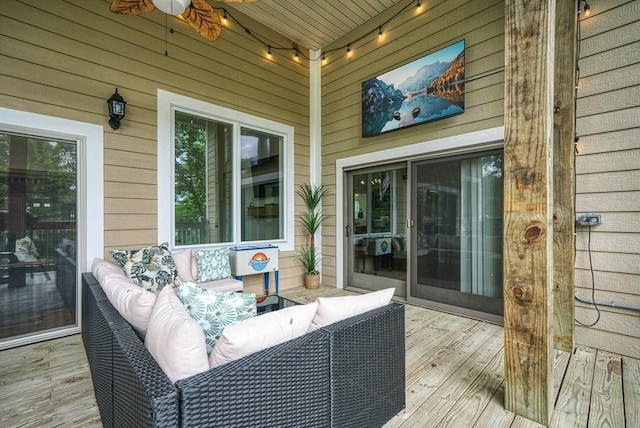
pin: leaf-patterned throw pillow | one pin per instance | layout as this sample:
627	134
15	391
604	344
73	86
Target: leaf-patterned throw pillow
214	310
213	264
151	268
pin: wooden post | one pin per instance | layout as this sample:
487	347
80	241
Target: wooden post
563	176
528	199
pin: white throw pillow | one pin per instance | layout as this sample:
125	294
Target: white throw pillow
174	339
264	331
186	264
132	302
334	309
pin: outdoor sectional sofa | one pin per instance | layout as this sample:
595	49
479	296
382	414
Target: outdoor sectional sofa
347	374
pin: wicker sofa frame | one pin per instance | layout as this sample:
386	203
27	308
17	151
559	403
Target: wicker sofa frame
348	374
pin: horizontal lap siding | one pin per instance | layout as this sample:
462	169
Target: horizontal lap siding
64	58
480	24
608	176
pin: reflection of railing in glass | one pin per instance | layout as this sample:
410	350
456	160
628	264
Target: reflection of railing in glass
189	233
49	235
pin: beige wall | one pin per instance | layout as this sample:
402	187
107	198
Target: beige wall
408	37
608	174
64	59
608	165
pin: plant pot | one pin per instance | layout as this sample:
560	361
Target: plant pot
312	282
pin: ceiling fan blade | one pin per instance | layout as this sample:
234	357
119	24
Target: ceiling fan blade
132	7
206	21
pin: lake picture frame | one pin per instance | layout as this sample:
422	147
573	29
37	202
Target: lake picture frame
426	89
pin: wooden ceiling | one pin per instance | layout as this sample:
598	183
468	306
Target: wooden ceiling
312	23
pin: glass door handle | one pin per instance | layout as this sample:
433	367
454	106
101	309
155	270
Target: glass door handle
347	231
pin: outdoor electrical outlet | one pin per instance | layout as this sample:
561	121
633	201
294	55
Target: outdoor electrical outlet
589	220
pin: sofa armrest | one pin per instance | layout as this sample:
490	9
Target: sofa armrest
143	395
99	319
130	387
285	385
368	394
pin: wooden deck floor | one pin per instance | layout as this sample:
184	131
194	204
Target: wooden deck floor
455	378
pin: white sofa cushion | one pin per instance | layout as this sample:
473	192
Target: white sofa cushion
100	268
334	309
186	264
261	332
174	339
227	284
132	302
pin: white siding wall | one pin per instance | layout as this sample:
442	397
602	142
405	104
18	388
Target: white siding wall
608	175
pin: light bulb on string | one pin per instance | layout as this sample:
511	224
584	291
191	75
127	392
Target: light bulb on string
587	9
348	50
296	57
269	52
224	17
418	6
379	32
324	59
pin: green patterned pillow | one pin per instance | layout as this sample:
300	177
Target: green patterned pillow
214	310
213	264
151	268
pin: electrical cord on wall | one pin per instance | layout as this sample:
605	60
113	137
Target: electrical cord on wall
575	115
593	286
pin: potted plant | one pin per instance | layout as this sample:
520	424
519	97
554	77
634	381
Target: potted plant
311	219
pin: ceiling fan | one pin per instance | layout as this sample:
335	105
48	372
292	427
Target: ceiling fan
197	13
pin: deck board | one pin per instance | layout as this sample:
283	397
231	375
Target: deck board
572	406
631	387
454	378
607	408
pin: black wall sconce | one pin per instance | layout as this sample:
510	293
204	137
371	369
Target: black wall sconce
117	105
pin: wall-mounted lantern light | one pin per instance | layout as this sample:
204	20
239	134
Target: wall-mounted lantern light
116	109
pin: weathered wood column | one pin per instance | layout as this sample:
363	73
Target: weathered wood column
564	175
528	199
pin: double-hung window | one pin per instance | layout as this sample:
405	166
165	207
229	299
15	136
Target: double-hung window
230	180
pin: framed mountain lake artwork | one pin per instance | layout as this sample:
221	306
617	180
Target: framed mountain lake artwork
426	89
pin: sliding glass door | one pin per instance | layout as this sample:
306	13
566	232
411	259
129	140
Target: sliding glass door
457	253
38	235
375	231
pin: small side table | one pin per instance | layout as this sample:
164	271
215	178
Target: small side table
253	260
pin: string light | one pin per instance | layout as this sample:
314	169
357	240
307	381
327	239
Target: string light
226	16
587	8
408	6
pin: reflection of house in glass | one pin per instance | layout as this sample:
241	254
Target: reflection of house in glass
261	179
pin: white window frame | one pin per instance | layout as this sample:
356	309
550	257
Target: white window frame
168	103
90	203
